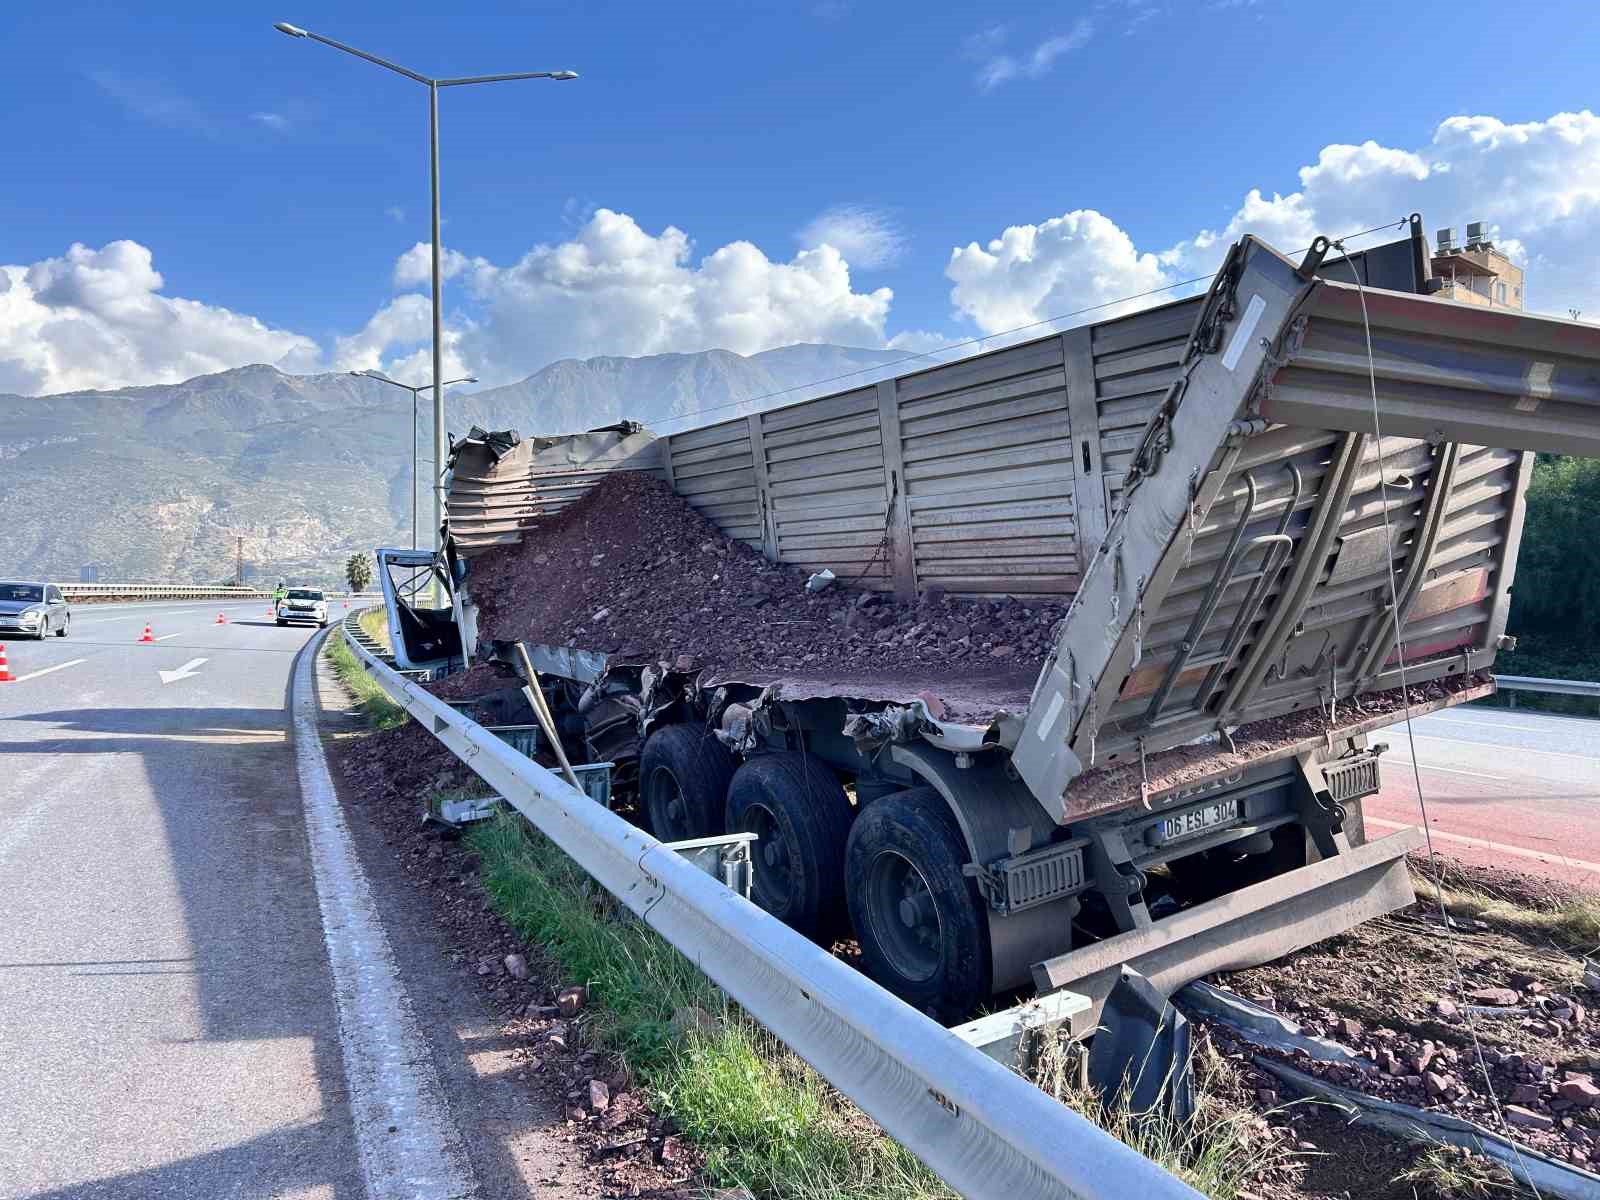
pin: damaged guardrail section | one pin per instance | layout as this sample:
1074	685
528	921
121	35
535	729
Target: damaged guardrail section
985	1130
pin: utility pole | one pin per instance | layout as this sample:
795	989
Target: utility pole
433	86
238	563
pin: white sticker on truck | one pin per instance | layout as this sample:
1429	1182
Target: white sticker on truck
1051	712
1241	335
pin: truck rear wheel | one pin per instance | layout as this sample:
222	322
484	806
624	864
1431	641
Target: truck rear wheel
801	817
920	921
683	782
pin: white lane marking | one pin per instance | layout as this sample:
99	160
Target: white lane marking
58	667
1486	726
392	1082
165	636
187	671
1439	737
1462	839
1454	770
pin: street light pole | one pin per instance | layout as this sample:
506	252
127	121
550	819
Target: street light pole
438	317
421	387
433	86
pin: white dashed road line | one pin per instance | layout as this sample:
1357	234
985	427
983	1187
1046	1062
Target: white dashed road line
408	1143
58	667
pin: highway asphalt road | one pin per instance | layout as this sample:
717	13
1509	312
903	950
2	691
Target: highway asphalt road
1504	787
177	947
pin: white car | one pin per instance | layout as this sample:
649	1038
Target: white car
303	604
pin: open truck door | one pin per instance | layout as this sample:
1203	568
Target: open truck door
426	635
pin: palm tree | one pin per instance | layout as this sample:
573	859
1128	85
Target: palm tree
358	570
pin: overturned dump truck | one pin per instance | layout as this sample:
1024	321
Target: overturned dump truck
1270	507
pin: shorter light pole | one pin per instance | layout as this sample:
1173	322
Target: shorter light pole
406	387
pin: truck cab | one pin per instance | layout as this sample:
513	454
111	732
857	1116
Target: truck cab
425	617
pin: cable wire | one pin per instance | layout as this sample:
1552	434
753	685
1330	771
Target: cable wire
1001	333
1411	737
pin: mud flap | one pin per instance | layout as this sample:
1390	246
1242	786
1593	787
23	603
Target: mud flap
1253	925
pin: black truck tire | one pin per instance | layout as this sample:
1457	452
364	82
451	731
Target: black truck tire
683	782
921	923
802	816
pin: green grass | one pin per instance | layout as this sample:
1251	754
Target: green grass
1220	1152
1571	922
1451	1171
382	712
376	623
760	1116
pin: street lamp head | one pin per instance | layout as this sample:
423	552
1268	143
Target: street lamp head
291	30
563	75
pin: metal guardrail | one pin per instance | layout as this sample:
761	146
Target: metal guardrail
157	591
1553	687
982	1128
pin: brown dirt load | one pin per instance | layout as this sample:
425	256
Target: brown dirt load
631	568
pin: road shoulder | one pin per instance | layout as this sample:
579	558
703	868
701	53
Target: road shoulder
513	1132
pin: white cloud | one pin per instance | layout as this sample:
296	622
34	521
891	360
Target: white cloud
997	65
1536	185
395	213
415	266
95	319
614	288
866	237
1032	272
157	101
276	122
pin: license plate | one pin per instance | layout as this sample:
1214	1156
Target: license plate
1198	819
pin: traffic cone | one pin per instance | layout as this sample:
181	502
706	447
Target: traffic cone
148	636
221	619
5	672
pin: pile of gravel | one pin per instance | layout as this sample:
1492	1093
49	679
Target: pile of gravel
631	568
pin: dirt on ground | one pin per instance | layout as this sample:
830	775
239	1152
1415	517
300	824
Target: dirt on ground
631	568
632	1152
1489	1020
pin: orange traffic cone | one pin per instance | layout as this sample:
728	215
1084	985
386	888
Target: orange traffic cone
5	672
222	619
148	637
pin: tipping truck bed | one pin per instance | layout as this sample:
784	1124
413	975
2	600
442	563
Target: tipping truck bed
1246	562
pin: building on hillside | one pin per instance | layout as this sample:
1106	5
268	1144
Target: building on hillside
1476	273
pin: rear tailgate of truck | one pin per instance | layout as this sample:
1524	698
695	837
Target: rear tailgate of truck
1247	571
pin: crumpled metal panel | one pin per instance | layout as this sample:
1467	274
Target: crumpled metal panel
495	495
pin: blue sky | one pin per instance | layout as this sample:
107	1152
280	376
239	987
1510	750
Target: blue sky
275	183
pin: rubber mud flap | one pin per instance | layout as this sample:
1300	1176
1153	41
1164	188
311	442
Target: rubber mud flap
683	781
922	926
801	816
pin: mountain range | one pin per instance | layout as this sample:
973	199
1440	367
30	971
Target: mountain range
160	483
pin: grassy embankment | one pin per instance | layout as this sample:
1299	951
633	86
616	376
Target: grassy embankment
762	1118
381	712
